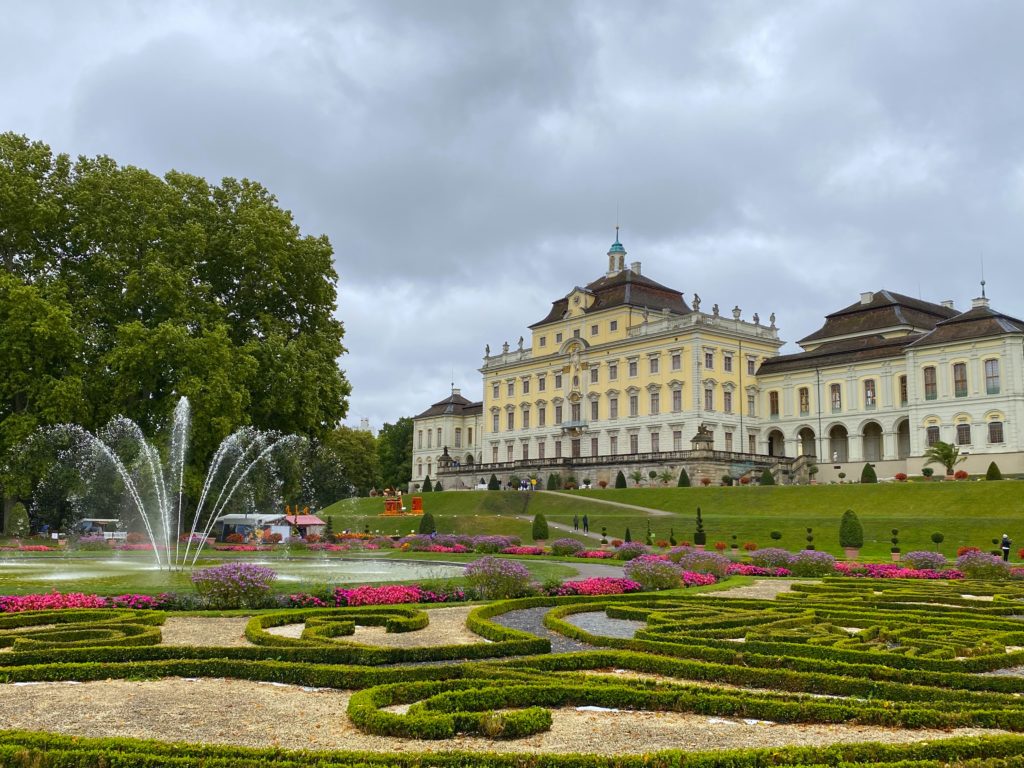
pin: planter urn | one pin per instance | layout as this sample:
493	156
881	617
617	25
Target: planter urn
852	553
895	556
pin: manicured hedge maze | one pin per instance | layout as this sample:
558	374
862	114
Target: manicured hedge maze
861	651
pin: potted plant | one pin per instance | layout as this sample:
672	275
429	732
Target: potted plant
927	473
810	538
700	538
894	550
812	470
842	476
851	534
945	454
960	474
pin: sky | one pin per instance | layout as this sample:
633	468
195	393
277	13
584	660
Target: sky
469	160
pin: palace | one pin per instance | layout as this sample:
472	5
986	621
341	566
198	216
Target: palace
623	374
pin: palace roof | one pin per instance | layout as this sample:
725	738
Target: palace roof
846	351
881	310
456	405
979	322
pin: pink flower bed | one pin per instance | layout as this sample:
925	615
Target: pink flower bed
596	554
134	547
743	569
523	551
26	548
52	601
390	594
894	571
691	579
597	586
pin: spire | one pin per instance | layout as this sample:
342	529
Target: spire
616	255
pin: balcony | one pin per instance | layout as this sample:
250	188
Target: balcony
574	425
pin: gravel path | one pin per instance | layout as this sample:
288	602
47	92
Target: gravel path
647	510
532	620
228	632
243	713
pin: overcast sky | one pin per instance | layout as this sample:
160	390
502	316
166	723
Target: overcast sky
467	159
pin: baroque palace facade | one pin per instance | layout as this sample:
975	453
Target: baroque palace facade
624	374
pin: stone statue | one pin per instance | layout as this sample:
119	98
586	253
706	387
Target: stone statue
736	312
645	315
520	343
696	302
714	310
757	319
504	348
771	319
487	350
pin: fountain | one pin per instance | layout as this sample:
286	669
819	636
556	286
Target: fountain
156	492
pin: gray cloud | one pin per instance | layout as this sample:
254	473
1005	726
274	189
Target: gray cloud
466	159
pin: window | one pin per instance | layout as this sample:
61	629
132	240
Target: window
511	389
526	418
805	400
728	441
655	442
438	437
930	387
992	381
558	414
540	450
419	439
677	400
429	465
593	447
542	383
494	424
558	381
654	363
995	431
576	333
903	390
430	438
727	363
494	391
677	440
458	437
751	404
593	330
709	360
632	367
634	443
526	386
709	399
558	338
727	401
469	436
543	341
419	469
593	410
575	382
494	454
613	407
751	443
677	361
613	371
931	436
655	403
510	422
508	453
835	392
634	405
613	325
593	375
526	451
542	415
960	379
613	444
558	449
773	404
750	370
963	434
574	410
869	393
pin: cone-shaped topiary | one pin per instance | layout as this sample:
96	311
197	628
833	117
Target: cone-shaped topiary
17	524
684	479
672	536
493	484
427	487
766	477
540	528
620	480
628	537
437	486
699	537
553	482
993	472
851	532
427	524
867	475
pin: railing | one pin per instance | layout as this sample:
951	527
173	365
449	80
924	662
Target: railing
752	459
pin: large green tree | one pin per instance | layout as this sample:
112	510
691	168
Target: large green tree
394	452
121	291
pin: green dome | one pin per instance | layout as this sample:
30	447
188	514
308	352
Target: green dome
616	248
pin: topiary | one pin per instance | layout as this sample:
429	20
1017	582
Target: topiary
851	532
620	480
775	535
627	538
427	524
699	536
937	538
672	536
437	486
766	477
895	541
17	524
493	484
867	475
554	481
540	528
684	479
727	480
427	487
993	472
810	538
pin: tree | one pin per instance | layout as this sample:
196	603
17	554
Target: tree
438	487
684	479
766	477
540	527
394	453
620	480
427	524
700	538
851	532
427	486
867	475
993	472
627	537
493	484
355	450
554	482
16	524
945	454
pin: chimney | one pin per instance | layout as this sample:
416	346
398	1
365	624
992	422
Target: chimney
456	391
867	297
981	301
948	304
635	267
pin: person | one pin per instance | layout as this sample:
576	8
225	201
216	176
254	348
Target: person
1005	546
586	524
576	521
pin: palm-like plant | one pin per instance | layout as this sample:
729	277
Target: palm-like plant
945	454
666	476
636	476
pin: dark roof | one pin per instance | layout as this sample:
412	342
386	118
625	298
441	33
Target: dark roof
624	288
979	322
455	405
843	352
885	310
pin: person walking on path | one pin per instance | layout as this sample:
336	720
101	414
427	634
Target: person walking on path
576	521
586	524
1005	546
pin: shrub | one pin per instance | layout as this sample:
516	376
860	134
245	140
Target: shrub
750	546
493	579
927	472
234	585
720	546
620	480
427	486
901	477
234	538
895	540
705	562
672	536
630	550
700	537
922	560
964	550
960	474
427	525
937	538
602	484
490	545
437	486
993	472
493	484
653	572
16	525
766	477
705	481
771	557
726	479
566	547
978	565
616	542
775	535
540	528
627	538
811	563
745	480
554	482
851	532
684	479
867	475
